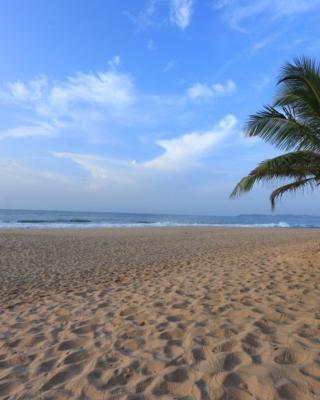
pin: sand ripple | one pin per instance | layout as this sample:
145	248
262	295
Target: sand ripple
224	314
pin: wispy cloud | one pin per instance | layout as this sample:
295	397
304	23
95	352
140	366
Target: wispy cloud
156	13
31	91
115	62
179	154
147	17
109	88
261	44
100	169
181	12
91	103
89	163
170	64
267	40
187	150
235	12
23	131
200	91
81	102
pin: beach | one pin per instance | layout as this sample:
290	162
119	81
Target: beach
160	313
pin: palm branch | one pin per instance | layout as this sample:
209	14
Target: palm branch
291	123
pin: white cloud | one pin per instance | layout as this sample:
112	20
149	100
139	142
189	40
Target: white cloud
187	150
199	90
86	101
94	104
205	91
237	11
43	130
100	106
109	89
180	153
181	12
31	91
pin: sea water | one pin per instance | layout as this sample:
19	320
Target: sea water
72	219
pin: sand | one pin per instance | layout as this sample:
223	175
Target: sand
186	313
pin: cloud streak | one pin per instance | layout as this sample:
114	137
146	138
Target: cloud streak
235	12
179	154
23	131
181	13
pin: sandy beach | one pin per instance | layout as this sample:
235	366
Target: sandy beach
177	313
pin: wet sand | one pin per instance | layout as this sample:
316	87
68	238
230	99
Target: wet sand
177	313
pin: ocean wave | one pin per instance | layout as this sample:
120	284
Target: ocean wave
86	223
56	221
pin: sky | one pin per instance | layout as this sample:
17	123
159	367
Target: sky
140	105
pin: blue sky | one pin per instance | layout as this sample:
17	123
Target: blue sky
139	105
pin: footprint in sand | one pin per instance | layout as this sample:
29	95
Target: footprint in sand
61	377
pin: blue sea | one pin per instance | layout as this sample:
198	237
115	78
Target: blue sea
72	219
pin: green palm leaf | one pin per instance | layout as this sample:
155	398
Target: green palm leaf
291	123
300	87
282	130
290	165
292	187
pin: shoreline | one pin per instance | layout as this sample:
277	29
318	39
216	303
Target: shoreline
150	227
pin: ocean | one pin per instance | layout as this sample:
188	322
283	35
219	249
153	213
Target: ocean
73	219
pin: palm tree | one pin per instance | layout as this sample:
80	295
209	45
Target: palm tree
292	124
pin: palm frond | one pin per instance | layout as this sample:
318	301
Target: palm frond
291	123
294	164
299	87
298	165
292	187
244	186
282	130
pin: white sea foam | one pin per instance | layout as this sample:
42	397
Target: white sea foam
159	224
